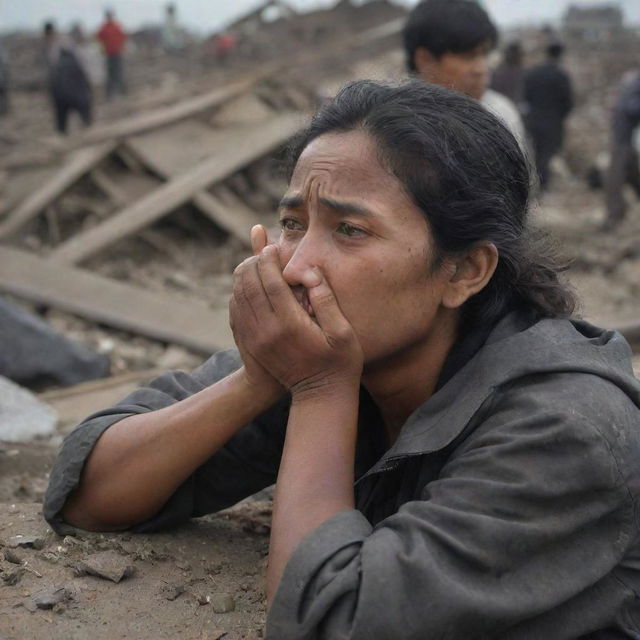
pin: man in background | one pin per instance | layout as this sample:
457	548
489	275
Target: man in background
448	42
113	39
68	80
548	99
508	76
623	165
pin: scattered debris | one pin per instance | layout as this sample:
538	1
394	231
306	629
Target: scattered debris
50	597
25	542
106	564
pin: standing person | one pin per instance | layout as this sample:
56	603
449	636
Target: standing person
548	99
448	42
455	456
69	85
4	82
113	39
623	165
172	34
508	77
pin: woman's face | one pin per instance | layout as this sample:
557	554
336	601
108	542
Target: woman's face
347	215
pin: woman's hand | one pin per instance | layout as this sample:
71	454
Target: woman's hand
309	351
255	375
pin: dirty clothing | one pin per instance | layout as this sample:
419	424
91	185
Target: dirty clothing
113	39
70	87
548	98
501	107
505	509
623	167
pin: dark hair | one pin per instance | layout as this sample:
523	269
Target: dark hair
447	26
555	50
466	172
48	28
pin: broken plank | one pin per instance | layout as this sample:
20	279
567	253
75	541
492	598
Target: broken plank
167	152
79	163
240	147
190	324
164	116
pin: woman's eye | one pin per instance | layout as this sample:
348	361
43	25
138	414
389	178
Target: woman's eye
289	224
349	230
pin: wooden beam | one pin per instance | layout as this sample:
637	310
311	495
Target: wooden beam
166	153
191	324
241	146
166	115
78	164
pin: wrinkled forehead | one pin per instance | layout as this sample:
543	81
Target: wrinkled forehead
345	164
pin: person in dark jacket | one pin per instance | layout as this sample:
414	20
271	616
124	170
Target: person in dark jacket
548	99
69	85
623	165
408	332
508	77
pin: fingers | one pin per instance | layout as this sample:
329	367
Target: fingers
326	309
277	290
259	239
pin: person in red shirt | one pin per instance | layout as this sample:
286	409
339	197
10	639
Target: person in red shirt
113	39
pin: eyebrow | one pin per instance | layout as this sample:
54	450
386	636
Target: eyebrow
341	206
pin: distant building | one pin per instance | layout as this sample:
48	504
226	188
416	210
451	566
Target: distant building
593	24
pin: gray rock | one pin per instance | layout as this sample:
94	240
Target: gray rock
222	602
26	542
12	557
50	597
108	565
22	415
33	354
12	576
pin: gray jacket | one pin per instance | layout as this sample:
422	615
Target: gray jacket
507	507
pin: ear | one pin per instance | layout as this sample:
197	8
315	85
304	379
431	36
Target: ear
424	62
471	273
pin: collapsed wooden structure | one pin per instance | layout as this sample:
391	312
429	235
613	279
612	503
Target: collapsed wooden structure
145	168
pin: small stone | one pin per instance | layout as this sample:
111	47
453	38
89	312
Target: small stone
29	605
223	602
27	542
203	599
106	564
12	557
172	592
49	598
11	577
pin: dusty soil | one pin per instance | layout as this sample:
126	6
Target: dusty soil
182	583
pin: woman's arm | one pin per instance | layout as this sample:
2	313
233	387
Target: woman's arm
139	461
315	481
319	360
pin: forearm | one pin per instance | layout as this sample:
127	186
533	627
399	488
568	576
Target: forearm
316	475
140	461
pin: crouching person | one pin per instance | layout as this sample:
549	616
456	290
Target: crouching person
454	454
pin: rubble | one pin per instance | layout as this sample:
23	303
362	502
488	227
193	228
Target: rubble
108	565
22	416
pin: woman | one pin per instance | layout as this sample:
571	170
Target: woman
403	330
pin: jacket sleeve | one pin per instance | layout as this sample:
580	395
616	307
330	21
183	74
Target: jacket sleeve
246	464
530	510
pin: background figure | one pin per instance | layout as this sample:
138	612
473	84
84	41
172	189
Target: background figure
4	83
448	42
623	166
113	39
68	80
508	76
172	35
548	100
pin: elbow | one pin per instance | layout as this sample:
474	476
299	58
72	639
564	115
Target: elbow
89	517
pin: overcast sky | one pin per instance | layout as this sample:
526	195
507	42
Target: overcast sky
209	15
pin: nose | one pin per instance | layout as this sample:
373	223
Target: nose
480	66
299	257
